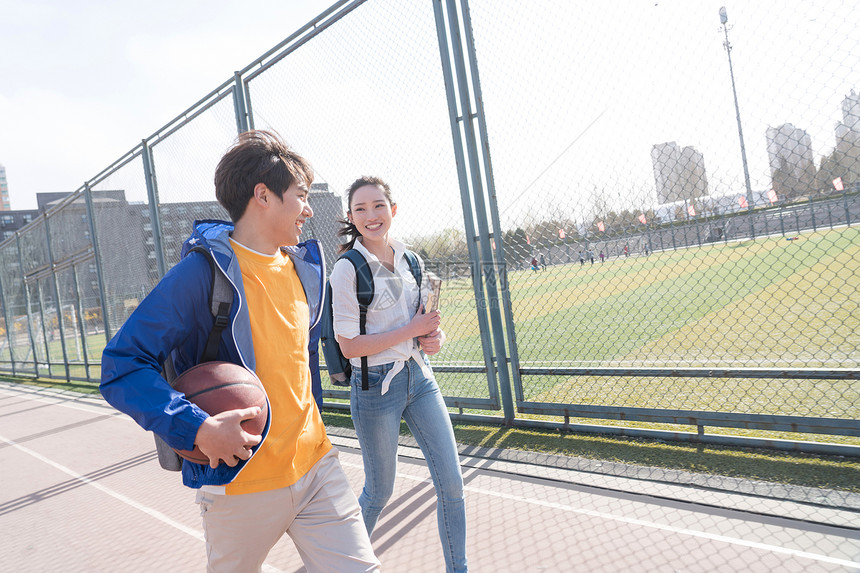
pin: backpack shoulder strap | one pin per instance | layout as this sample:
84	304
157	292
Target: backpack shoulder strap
220	301
364	294
416	267
363	278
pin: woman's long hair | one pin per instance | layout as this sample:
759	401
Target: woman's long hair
349	230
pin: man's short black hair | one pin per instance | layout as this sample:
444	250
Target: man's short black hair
257	156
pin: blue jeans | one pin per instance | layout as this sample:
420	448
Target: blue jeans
416	399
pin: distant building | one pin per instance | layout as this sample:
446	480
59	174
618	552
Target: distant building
127	242
48	201
177	219
177	222
849	127
324	225
665	158
789	151
4	191
848	136
679	173
693	177
11	221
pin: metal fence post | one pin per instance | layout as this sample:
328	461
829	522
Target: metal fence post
9	327
81	321
154	213
782	219
486	250
91	217
239	104
27	303
58	302
468	218
249	109
493	204
44	329
812	214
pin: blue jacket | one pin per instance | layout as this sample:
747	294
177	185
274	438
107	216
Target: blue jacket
175	317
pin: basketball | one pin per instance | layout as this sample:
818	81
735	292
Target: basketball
216	387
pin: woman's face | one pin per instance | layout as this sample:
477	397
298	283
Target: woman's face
371	213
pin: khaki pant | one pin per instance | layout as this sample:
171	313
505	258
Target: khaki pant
319	512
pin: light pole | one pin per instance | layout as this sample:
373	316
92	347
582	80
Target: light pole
723	20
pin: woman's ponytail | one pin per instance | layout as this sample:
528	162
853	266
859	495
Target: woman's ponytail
347	230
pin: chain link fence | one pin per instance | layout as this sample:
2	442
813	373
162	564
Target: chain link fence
668	244
645	218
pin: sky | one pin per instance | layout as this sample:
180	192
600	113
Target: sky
85	81
628	75
575	94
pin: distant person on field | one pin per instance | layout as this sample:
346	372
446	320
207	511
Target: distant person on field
602	256
581	258
542	262
534	264
289	480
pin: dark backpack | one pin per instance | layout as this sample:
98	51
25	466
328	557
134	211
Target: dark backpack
220	302
339	368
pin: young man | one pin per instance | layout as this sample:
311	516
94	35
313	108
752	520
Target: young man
289	480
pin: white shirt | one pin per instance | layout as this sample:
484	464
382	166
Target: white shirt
395	302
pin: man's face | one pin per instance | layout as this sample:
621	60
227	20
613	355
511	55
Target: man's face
290	212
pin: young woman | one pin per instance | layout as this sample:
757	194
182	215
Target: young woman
401	384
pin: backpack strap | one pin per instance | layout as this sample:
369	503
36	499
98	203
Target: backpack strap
416	267
364	294
220	301
222	298
364	290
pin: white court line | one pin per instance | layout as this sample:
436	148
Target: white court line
126	500
45	396
196	534
631	521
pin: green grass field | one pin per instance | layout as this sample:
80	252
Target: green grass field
767	303
763	303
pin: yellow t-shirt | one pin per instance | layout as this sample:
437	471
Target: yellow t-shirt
279	328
